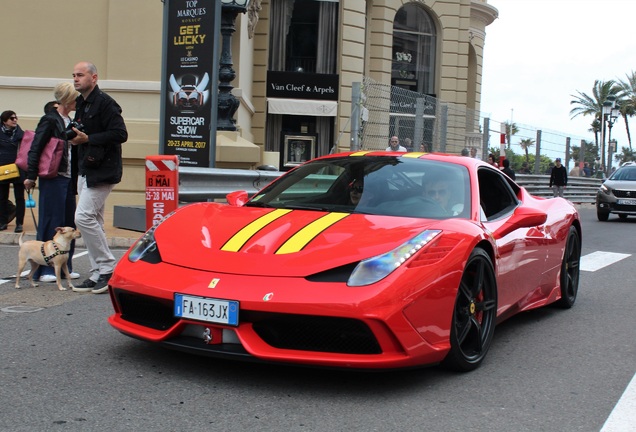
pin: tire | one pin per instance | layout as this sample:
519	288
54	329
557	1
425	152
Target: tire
570	270
474	314
602	216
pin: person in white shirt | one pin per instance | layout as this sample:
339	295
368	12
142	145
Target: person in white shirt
394	145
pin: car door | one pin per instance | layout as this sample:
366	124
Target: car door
520	254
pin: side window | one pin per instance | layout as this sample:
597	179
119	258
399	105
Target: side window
495	195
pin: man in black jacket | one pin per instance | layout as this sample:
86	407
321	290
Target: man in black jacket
507	170
100	133
558	178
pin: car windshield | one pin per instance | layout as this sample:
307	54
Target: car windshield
625	173
378	185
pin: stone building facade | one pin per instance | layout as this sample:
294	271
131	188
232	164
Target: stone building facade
434	47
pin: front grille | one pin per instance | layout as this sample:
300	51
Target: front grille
323	334
625	193
294	332
146	311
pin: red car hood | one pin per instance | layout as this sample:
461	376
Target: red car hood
275	242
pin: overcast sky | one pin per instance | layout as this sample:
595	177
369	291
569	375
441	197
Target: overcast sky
540	52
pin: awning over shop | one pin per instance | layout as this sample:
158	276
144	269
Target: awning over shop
318	108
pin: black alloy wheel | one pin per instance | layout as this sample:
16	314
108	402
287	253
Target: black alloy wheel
570	270
474	316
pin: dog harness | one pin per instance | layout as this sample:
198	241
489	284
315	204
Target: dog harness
53	255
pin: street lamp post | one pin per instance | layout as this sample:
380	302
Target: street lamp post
609	114
611	119
612	149
227	102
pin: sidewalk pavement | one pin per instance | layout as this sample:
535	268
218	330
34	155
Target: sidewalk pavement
118	238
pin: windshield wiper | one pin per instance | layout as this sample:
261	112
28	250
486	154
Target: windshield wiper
258	204
306	207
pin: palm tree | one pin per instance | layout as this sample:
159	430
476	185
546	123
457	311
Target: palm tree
595	129
593	105
627	101
626	155
509	135
525	145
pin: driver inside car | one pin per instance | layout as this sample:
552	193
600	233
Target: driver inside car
439	191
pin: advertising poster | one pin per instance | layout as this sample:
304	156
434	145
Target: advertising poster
189	72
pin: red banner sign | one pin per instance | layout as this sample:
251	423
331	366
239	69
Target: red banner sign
162	187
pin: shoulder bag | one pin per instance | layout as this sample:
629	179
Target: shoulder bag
50	157
9	172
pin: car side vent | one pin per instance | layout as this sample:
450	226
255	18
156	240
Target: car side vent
434	252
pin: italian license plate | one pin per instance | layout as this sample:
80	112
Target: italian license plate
206	309
626	201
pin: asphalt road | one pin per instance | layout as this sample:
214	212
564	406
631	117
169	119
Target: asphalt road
63	368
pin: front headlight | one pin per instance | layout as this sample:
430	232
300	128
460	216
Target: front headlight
374	269
605	189
145	248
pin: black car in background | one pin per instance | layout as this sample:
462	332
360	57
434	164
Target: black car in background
617	194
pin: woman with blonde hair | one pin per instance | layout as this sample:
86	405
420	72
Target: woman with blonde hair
56	204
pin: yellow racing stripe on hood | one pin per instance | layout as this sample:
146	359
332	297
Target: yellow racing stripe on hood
240	238
299	240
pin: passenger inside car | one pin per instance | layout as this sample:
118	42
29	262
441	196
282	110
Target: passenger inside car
356	187
369	192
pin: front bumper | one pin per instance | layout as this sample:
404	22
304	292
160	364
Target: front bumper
607	203
281	319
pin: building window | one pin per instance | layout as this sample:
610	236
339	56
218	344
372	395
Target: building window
414	41
302	41
303	36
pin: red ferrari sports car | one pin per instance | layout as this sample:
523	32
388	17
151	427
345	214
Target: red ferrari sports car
358	260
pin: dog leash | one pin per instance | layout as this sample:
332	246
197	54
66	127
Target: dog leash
30	203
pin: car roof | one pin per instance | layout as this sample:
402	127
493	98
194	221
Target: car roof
442	157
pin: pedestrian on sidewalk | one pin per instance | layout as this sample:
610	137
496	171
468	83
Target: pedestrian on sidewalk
56	203
10	138
100	133
507	170
558	178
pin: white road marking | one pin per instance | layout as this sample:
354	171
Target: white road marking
23	274
623	416
26	272
599	259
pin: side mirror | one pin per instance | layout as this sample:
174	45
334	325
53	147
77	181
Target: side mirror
237	198
523	217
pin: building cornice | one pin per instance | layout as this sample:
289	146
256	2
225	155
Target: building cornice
481	11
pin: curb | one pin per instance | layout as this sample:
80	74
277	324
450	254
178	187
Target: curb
10	238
